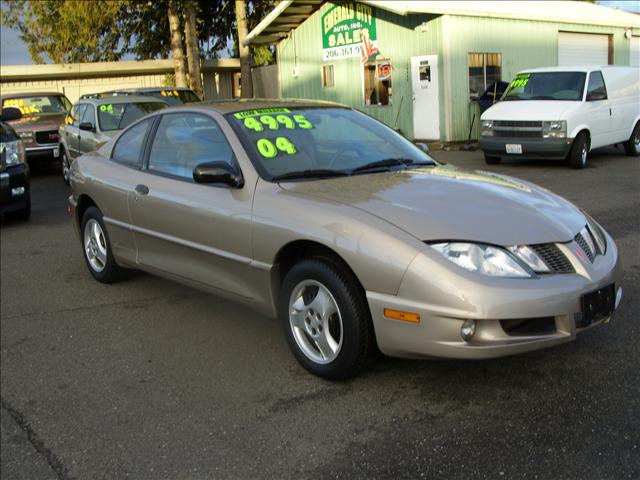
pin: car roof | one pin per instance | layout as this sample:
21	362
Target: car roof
31	94
120	99
241	104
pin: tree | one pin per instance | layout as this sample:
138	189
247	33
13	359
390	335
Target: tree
193	47
245	59
177	51
66	31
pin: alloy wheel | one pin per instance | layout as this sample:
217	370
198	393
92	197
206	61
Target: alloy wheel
316	321
95	245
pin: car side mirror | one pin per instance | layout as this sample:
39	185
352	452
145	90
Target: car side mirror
9	114
423	146
594	96
88	126
217	172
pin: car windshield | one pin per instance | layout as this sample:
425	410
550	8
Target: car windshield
40	104
176	97
290	143
116	116
546	86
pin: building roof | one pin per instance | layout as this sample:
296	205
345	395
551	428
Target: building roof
289	14
12	73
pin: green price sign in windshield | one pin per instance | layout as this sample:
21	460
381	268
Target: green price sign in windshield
521	80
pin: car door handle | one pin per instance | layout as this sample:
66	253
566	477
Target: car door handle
142	189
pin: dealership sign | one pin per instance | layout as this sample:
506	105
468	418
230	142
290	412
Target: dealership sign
346	28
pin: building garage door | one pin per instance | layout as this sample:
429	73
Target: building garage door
634	52
582	49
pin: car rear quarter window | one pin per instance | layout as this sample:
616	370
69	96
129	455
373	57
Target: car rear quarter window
129	147
185	140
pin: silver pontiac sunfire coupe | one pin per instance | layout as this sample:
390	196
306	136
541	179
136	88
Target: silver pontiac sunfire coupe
355	237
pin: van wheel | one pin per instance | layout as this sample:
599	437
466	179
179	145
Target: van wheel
579	151
326	319
632	146
489	160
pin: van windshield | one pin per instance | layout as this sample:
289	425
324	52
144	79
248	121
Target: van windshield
546	86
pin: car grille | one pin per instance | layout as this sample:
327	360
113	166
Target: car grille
50	136
584	245
553	258
517	129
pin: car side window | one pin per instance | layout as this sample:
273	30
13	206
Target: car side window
129	147
77	112
596	89
185	140
89	115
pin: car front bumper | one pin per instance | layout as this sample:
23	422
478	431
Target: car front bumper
552	149
14	188
444	306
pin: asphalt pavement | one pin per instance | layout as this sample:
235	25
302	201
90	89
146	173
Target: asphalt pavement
148	379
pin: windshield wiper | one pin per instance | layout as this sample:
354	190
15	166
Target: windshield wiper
311	173
388	162
542	97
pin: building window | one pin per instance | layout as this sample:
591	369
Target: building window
327	76
377	83
484	69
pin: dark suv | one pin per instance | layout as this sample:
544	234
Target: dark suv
15	199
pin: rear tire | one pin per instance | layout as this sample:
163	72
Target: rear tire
490	160
96	248
579	151
632	146
337	340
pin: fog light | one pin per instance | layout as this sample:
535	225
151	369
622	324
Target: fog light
467	330
618	297
16	192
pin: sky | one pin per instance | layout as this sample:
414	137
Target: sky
13	51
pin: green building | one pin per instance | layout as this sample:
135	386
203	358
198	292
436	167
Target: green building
420	65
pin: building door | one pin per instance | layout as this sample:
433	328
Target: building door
582	49
426	99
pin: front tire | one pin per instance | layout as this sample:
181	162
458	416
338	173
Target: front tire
490	160
326	319
579	151
96	248
632	146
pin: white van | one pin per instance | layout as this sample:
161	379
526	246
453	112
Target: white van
564	112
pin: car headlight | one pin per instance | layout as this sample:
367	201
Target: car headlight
554	129
486	128
12	153
530	257
485	259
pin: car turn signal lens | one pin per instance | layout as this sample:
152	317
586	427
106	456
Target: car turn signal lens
400	315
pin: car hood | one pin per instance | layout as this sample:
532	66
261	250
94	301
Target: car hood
47	121
447	203
535	110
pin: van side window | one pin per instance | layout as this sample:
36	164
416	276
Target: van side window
596	89
128	150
